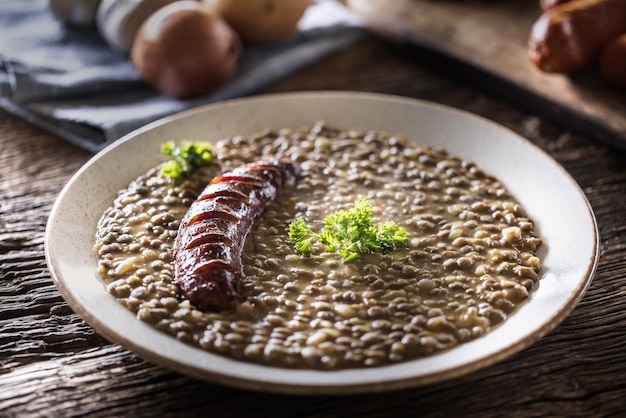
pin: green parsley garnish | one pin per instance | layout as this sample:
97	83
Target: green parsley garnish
185	159
349	233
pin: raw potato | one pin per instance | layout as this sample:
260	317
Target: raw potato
79	13
613	62
262	21
185	49
119	20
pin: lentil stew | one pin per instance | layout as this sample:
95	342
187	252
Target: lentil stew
471	260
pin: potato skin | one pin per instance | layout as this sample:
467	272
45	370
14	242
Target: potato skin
185	49
262	21
119	20
78	13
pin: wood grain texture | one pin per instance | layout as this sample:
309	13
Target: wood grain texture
52	364
485	42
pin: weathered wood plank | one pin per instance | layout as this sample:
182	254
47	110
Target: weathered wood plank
490	39
53	364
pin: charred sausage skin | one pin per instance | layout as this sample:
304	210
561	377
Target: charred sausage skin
207	249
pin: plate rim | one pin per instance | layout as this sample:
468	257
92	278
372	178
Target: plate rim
328	389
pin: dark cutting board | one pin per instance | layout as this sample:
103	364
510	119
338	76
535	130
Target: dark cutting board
488	41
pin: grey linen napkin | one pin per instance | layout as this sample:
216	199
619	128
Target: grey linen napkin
68	81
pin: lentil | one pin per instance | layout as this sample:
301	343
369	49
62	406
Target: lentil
471	259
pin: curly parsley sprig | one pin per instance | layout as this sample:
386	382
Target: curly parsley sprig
349	233
186	158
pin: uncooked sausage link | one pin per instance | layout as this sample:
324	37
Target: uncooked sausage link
613	61
549	4
569	36
207	250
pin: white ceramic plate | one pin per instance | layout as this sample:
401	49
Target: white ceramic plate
551	197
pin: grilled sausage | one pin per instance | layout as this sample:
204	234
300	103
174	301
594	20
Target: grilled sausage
613	62
568	37
548	4
207	249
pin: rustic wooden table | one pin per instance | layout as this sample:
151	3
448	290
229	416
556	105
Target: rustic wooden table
53	364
